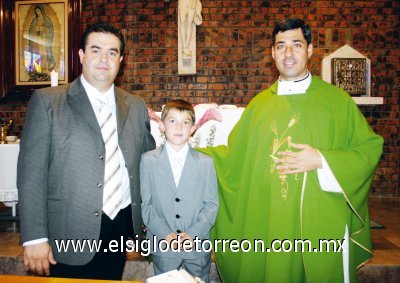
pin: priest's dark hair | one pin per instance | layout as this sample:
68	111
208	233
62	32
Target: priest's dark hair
103	27
290	24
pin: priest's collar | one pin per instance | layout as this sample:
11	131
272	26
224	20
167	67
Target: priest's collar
294	87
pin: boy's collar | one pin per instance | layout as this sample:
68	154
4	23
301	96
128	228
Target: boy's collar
182	152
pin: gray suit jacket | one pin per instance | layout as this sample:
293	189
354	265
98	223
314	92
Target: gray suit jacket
191	207
61	165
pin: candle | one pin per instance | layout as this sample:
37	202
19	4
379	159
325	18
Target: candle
54	78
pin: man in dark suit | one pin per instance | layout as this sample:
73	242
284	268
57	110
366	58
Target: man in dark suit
78	167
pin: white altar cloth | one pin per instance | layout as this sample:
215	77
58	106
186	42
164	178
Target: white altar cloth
8	174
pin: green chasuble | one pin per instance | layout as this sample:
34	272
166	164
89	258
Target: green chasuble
257	203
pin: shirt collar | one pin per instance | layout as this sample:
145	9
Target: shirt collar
95	95
294	87
177	154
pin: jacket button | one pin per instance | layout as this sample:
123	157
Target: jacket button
96	213
177	200
178	231
178	216
99	184
101	157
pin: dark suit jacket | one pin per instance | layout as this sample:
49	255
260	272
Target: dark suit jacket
61	165
195	200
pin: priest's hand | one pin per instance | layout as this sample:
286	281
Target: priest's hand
187	241
37	258
305	160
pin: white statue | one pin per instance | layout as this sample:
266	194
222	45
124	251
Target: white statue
189	14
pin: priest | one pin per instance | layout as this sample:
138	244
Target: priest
295	176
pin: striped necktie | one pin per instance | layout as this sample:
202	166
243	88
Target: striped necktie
112	173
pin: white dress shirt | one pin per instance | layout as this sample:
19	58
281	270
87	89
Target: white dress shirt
177	160
93	95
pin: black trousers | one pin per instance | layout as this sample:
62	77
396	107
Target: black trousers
104	265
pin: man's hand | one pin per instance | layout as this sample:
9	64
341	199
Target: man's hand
171	236
305	160
37	258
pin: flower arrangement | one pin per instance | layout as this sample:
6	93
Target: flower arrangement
210	114
211	136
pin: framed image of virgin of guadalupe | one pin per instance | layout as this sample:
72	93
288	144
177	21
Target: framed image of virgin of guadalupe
41	41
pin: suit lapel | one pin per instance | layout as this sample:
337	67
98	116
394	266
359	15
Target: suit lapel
166	170
122	109
79	100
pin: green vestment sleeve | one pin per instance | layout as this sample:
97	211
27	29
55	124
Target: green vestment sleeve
354	165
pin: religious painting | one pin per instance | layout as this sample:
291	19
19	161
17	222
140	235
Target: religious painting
350	74
41	41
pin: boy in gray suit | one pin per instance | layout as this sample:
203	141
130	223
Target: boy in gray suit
179	195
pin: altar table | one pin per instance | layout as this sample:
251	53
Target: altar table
8	175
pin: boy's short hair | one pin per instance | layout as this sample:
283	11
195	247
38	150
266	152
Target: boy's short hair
180	105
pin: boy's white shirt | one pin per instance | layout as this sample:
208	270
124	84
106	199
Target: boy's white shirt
177	160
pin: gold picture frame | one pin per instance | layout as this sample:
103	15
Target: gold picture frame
41	41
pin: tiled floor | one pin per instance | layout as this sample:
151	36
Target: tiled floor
386	242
